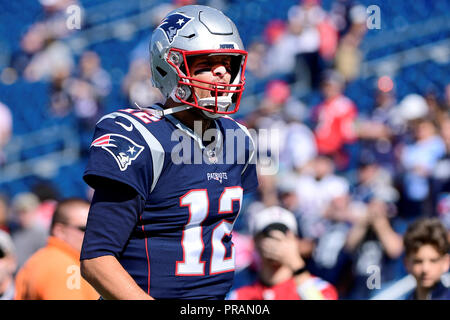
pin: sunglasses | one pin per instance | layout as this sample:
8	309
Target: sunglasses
2	253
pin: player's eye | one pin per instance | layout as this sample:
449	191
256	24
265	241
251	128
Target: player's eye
201	70
227	66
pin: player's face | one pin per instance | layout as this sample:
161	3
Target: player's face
427	265
215	69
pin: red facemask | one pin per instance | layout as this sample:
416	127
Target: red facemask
222	95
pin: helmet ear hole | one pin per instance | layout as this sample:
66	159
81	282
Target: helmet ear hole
161	72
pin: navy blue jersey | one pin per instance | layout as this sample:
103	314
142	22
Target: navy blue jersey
176	240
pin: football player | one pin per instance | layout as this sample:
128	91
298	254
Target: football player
161	217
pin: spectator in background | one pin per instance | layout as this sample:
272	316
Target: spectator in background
341	15
373	181
53	273
288	200
6	123
281	114
8	266
314	40
137	85
53	57
48	197
282	274
255	72
61	103
278	59
55	16
86	103
90	70
88	106
427	259
316	187
410	109
436	107
294	134
255	61
330	260
418	159
26	231
82	93
42	51
334	120
375	241
348	56
378	132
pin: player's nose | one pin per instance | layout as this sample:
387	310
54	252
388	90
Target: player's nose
219	70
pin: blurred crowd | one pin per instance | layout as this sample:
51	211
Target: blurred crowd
354	181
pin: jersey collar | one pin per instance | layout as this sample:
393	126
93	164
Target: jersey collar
177	123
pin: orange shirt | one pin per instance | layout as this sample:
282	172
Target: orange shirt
53	273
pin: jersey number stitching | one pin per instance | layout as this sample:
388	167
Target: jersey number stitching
197	201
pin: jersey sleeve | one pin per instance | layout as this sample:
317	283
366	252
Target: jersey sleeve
112	218
120	153
249	178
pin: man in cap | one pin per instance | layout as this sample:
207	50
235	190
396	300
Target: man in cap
282	274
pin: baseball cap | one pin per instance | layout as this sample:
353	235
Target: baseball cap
412	107
273	217
6	244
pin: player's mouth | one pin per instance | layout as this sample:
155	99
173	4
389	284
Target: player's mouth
220	87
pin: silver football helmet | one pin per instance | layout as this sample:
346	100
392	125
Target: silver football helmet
197	30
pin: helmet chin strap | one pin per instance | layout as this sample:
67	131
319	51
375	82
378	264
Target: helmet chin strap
164	112
223	102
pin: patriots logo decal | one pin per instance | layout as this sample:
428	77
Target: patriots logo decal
123	149
172	24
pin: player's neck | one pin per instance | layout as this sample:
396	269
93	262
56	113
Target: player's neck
190	117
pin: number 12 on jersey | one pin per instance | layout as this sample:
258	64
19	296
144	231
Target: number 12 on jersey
197	202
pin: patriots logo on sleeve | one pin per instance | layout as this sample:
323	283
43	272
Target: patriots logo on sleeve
123	149
172	24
